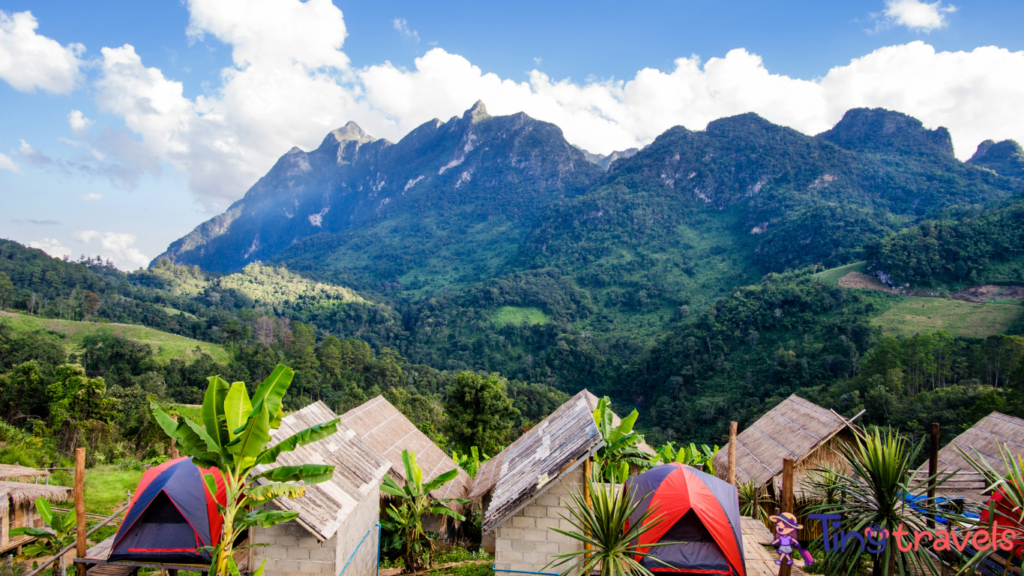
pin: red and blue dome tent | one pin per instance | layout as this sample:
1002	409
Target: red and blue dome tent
171	516
700	517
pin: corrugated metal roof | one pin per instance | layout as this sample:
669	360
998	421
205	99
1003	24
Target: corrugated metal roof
531	463
389	432
986	437
795	428
358	469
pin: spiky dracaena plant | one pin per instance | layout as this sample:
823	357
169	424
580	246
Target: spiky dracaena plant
874	496
753	500
1009	516
414	502
601	525
621	448
233	439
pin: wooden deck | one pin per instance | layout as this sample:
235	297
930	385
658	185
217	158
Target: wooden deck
96	557
759	559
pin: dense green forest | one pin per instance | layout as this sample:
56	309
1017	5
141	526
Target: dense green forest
983	248
788	333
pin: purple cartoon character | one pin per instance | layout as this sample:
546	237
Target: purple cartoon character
785	541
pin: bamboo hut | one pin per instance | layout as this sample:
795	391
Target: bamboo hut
18	508
389	432
985	438
21	473
796	429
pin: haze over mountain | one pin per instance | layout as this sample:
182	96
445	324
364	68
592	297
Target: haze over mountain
677	223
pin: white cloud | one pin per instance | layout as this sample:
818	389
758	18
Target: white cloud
51	246
78	121
10	165
117	247
29	61
917	15
33	156
91	197
402	27
290	83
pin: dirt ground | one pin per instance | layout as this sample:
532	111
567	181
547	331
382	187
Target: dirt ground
989	293
864	281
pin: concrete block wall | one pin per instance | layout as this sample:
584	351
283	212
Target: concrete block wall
525	541
362	520
294	551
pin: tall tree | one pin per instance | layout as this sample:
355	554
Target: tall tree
480	413
6	289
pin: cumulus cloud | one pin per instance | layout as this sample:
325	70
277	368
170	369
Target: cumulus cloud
29	61
290	83
917	15
402	27
78	121
51	246
116	246
91	197
10	165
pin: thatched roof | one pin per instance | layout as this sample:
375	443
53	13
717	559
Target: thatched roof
985	437
389	432
21	492
532	463
487	476
796	428
358	469
15	472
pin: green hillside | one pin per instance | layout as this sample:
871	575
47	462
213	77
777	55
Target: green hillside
832	276
70	334
912	315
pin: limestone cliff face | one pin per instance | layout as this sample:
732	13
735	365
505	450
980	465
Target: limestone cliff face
883	131
507	166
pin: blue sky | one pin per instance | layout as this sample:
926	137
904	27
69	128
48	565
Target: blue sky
126	124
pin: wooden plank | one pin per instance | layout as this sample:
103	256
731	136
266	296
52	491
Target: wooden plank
759	560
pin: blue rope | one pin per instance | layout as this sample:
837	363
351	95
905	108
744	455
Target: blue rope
357	550
525	572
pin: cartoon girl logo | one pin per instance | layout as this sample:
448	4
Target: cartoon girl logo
785	541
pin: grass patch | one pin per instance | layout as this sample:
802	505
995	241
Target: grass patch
165	345
517	315
833	275
914	315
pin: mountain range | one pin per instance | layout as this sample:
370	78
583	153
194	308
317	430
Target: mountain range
678	223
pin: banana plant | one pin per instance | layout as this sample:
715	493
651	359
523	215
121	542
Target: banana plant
49	543
415	501
689	455
621	448
233	439
470	463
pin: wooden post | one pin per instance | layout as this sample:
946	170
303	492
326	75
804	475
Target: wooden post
80	506
933	470
588	470
787	501
174	450
732	453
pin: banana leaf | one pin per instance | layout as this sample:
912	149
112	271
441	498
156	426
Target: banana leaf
307	436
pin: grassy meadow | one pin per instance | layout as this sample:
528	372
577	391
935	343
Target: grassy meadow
165	346
912	315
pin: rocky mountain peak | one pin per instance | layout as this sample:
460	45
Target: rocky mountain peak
351	132
1005	158
477	113
881	130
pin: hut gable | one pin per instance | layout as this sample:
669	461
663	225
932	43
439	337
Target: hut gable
20	493
487	476
985	437
534	462
389	432
358	470
794	429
